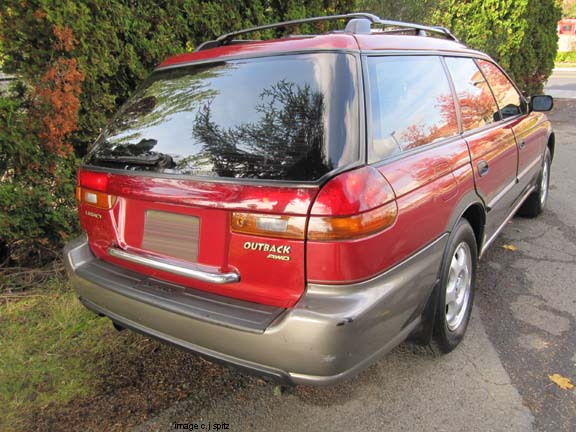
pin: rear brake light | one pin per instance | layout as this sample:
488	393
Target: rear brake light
97	181
354	204
352	193
92	188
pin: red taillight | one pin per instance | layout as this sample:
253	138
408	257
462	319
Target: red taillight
97	181
92	189
353	192
352	205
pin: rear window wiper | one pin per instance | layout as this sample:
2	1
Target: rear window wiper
160	160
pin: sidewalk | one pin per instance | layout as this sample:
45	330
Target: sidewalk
561	94
562	83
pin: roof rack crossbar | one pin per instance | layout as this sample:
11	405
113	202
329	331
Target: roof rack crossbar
373	19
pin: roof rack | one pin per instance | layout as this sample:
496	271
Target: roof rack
359	23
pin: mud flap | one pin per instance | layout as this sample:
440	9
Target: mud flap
422	335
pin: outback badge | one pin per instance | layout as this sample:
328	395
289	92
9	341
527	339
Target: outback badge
276	252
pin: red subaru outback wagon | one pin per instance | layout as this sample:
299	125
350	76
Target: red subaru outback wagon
298	207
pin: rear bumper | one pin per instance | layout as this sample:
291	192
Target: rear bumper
333	332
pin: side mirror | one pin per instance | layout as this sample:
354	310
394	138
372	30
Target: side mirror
541	103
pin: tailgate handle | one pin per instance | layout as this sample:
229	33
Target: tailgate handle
192	271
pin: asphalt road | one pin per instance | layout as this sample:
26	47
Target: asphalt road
522	331
527	298
562	83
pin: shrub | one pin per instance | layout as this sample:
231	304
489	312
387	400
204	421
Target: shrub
566	57
418	11
36	159
519	34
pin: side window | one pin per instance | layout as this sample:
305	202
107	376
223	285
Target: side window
477	105
508	98
411	104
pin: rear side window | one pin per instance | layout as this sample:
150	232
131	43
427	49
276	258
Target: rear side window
509	100
477	105
290	117
411	104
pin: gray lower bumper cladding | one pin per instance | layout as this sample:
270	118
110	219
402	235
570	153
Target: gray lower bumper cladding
333	332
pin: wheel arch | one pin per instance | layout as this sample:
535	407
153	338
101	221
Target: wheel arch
471	209
476	217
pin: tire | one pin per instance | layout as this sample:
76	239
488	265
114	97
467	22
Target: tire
456	294
536	201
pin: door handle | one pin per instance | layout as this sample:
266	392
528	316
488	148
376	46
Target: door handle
522	144
482	167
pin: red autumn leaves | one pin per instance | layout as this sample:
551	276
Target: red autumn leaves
57	96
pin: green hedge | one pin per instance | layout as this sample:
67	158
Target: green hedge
417	11
519	34
566	57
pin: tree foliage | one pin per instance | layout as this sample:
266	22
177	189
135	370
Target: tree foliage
519	34
36	157
569	8
417	11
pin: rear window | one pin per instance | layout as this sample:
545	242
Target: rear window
290	117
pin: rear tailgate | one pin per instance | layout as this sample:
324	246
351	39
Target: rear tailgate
187	224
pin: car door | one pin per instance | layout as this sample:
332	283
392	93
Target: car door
529	128
490	139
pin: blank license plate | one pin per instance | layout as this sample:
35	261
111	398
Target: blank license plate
171	234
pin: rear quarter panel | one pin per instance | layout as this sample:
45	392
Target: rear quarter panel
429	184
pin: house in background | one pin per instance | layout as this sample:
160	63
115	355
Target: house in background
567	35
